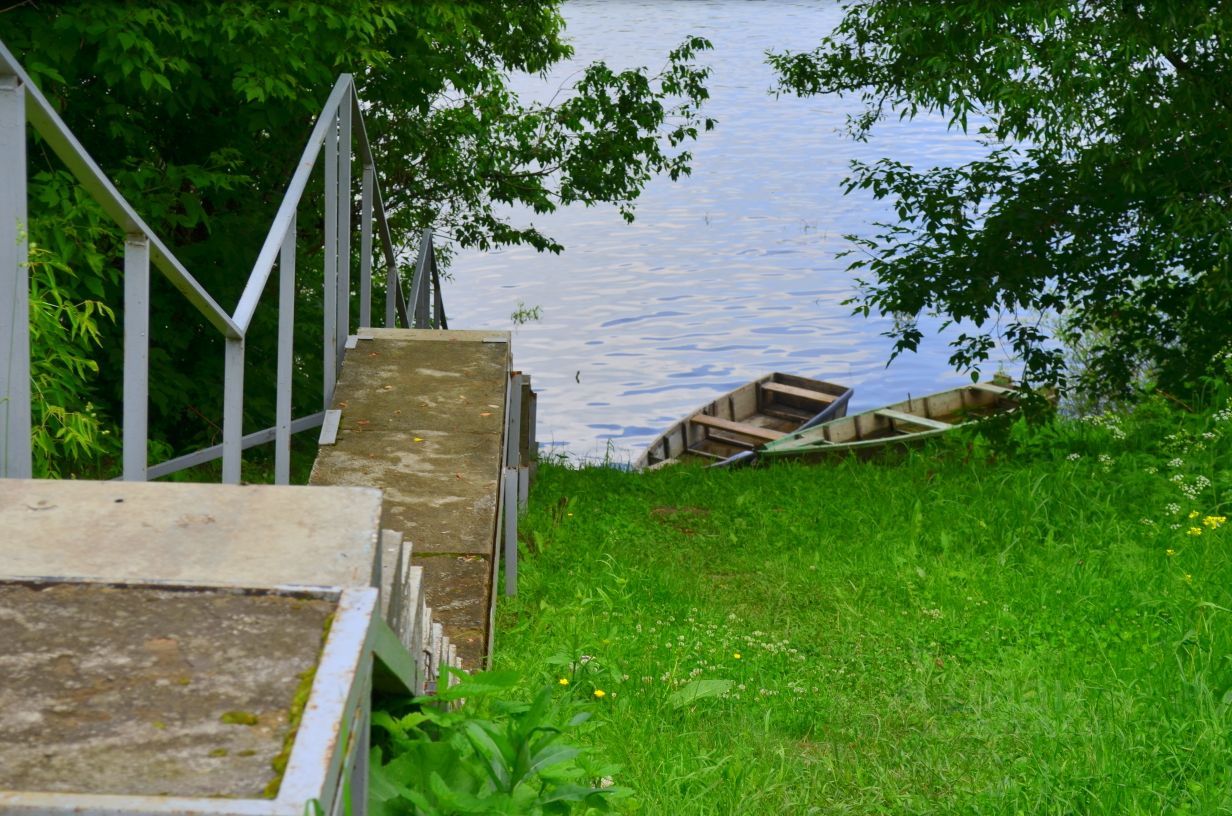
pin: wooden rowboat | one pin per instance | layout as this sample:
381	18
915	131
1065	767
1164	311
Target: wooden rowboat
907	422
758	412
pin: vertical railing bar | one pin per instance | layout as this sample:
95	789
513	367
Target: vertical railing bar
438	312
286	343
429	288
136	356
16	458
417	283
400	300
423	294
392	294
233	411
412	299
330	349
344	225
365	247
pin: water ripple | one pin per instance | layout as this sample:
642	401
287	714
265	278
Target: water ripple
743	250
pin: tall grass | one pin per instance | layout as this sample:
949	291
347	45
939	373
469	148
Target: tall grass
1040	626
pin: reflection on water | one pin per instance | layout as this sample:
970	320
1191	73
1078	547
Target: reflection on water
726	275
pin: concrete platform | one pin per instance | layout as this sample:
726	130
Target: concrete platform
126	691
423	418
194	534
199	650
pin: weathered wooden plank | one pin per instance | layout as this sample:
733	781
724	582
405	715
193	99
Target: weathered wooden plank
802	393
525	432
389	578
410	596
743	402
438	642
740	428
418	610
899	416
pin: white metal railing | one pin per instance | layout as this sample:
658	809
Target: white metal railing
21	102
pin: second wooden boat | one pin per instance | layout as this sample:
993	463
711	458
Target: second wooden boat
907	422
755	413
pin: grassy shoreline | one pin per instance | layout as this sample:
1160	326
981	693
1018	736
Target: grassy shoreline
1040	627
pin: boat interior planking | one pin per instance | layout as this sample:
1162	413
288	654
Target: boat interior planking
753	414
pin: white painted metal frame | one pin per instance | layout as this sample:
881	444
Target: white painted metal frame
21	102
15	456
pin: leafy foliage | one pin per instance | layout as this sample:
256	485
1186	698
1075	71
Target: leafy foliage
1103	196
70	436
488	756
199	111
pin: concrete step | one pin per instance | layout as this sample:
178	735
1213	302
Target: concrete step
423	417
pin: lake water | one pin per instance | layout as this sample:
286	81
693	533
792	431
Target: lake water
724	276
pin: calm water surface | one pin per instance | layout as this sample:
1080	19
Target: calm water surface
724	276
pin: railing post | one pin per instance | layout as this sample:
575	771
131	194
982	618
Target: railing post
16	460
391	295
513	435
365	246
286	342
136	356
344	225
419	286
430	276
422	317
233	411
438	306
330	363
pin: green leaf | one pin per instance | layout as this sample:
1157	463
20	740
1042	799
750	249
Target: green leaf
478	685
498	757
698	690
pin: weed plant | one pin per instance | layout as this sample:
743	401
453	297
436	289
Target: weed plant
1037	625
467	750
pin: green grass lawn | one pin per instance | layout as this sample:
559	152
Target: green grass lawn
1043	629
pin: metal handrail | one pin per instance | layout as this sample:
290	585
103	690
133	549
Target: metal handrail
21	102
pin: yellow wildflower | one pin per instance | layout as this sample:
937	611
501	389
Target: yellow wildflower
564	681
1188	578
1214	521
736	655
1193	514
600	693
1171	552
1194	531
